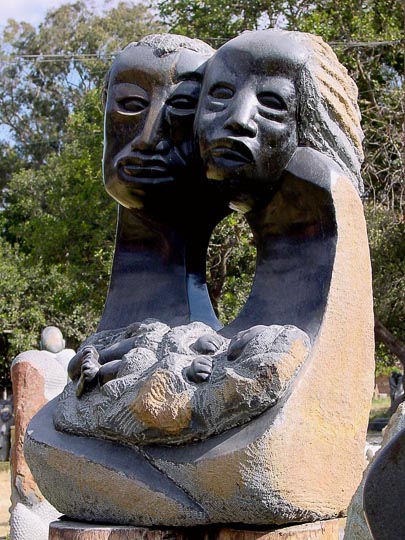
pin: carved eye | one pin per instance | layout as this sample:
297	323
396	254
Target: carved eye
272	101
183	102
221	92
133	104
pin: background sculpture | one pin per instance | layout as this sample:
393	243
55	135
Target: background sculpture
278	131
37	377
6	421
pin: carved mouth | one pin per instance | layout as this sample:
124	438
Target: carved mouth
144	170
231	150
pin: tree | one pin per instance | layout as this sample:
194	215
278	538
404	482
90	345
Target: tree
57	224
231	263
46	70
376	60
216	21
58	238
367	36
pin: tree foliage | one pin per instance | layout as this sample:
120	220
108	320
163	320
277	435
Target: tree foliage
58	233
46	70
57	223
367	36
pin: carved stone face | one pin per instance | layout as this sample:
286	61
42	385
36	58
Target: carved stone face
150	110
247	120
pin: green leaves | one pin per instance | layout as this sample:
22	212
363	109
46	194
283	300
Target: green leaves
367	36
230	266
58	233
46	71
57	222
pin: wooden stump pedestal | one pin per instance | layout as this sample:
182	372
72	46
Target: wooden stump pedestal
73	530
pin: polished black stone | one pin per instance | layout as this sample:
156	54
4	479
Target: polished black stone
384	492
166	212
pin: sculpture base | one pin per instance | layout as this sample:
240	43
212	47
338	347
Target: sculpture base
332	529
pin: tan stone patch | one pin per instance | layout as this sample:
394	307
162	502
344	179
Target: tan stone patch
219	478
236	389
291	360
160	405
318	445
109	490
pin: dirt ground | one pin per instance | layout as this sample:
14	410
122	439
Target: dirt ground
4	499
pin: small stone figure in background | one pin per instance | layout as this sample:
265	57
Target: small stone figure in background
6	421
396	390
37	377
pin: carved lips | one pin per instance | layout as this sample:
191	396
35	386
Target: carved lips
232	152
144	169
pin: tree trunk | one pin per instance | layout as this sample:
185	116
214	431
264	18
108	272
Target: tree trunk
393	344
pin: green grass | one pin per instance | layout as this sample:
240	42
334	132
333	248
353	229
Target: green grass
380	408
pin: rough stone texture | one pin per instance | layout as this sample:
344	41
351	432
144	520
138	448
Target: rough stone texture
102	481
152	400
356	526
37	377
324	530
290	465
285	465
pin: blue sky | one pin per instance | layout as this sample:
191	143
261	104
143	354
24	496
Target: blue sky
33	11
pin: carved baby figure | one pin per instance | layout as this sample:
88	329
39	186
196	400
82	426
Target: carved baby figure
179	384
91	366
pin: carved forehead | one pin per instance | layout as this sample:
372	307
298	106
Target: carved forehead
141	60
264	52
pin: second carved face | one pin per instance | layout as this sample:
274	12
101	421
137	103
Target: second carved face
246	124
150	109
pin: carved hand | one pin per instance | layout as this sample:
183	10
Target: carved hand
208	344
89	370
200	369
241	339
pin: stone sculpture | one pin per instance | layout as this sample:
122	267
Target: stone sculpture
356	526
384	494
174	421
149	168
37	377
396	390
6	421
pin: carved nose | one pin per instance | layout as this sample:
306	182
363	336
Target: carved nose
151	138
241	121
151	146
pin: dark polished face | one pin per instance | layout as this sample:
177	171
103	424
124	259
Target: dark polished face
246	123
149	115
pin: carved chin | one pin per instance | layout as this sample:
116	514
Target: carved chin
128	195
